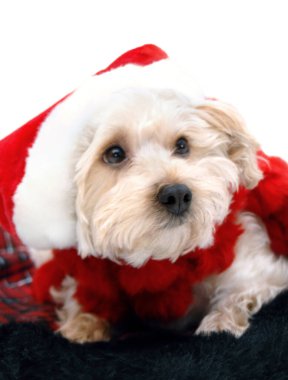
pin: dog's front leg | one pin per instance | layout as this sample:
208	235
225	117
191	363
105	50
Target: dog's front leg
74	322
84	328
233	313
256	276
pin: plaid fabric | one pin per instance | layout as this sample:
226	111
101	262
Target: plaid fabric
16	271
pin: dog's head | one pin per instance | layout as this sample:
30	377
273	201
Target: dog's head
156	174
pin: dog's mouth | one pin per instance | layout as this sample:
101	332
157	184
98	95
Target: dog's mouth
173	221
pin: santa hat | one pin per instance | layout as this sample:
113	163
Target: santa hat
37	192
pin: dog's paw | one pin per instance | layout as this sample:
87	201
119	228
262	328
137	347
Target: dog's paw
219	321
85	327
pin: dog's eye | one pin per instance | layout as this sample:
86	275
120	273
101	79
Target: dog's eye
181	146
114	155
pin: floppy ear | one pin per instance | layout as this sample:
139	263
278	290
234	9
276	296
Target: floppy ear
84	159
242	147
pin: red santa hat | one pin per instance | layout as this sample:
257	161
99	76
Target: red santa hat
36	167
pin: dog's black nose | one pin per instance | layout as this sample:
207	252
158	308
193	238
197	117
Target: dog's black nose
176	198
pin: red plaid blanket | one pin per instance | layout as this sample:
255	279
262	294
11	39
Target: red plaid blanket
16	273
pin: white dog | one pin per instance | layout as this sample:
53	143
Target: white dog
155	175
143	171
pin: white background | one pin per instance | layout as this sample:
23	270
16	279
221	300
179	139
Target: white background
237	50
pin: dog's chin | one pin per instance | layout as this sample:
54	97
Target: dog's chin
175	238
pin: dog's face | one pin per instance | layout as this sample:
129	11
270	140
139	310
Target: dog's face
156	174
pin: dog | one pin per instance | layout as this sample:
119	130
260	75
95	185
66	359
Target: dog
147	198
155	175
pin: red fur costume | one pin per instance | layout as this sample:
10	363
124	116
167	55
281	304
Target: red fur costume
161	290
158	290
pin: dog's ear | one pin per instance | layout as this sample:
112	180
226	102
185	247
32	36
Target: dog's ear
84	160
242	147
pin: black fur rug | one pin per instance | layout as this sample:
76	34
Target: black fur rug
30	351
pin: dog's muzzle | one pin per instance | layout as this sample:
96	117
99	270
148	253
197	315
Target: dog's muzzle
175	198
